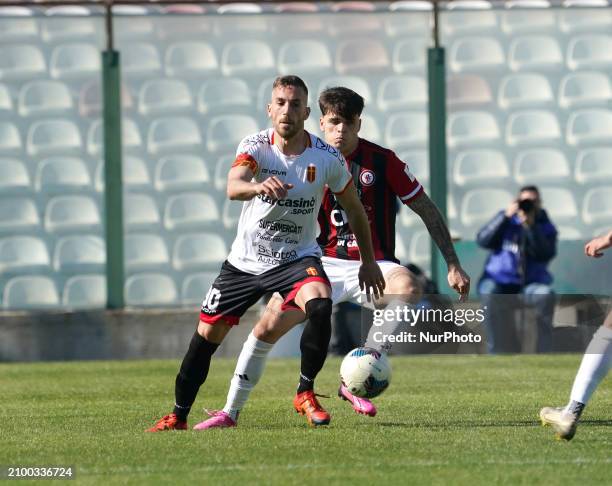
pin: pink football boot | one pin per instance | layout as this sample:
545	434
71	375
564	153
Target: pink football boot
218	419
360	405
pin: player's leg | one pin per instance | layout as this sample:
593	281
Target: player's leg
542	298
594	367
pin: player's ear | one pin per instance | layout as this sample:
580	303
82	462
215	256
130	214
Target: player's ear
269	110
321	124
307	111
358	124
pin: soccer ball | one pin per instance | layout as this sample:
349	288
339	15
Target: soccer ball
365	372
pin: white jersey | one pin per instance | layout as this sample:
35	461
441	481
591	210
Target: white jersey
275	232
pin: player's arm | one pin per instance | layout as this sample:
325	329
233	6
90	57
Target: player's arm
240	185
595	247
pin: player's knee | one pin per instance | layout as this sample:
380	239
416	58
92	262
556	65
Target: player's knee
267	332
214	333
319	309
403	283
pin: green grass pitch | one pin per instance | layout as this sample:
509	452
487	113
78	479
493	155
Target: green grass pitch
444	420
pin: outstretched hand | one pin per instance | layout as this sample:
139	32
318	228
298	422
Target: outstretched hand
594	247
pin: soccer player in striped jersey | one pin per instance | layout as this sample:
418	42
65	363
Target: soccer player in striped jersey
380	177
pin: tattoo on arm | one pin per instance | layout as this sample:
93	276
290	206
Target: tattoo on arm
431	216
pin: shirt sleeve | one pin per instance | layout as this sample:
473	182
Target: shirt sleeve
339	175
246	155
402	181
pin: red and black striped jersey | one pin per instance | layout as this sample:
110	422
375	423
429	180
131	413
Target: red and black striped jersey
380	178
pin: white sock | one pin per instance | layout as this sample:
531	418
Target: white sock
594	367
391	327
250	367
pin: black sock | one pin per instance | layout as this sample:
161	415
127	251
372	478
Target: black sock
192	374
576	408
315	341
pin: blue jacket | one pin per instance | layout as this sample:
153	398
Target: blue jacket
514	247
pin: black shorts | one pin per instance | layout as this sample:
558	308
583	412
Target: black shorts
234	291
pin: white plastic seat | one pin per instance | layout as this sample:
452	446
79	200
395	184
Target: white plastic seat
73	61
541	166
161	96
10	140
408	21
54	136
21	62
480	205
60	27
130	136
559	203
18	215
410	55
534	53
62	174
359	84
597	206
467	89
190	210
574	20
589	52
469	54
21	26
247	58
150	290
531	127
468	128
198	251
362	56
594	165
186	59
223	94
569	233
6	102
480	167
140	59
222	168
226	131
408	129
589	127
84	292
401	92
140	211
145	251
79	253
420	248
30	293
524	19
525	90
72	213
40	98
135	174
195	287
172	134
14	177
181	172
231	213
304	56
371	128
577	90
460	20
132	22
418	163
23	253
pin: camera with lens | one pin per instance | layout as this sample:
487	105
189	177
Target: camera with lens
526	205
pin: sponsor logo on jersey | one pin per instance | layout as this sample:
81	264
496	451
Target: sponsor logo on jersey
367	177
274	172
274	257
280	227
311	173
312	271
290	203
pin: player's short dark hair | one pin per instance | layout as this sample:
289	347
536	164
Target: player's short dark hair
530	188
290	80
341	101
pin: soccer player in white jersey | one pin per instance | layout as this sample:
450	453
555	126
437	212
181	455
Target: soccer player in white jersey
594	367
381	177
281	174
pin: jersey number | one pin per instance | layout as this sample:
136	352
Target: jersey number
211	301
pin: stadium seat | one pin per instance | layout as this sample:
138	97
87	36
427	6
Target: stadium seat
362	56
181	172
79	254
90	99
197	251
468	128
163	96
84	292
72	214
41	98
408	129
541	166
358	84
468	18
6	102
18	215
173	134
578	90
523	18
224	94
139	60
525	90
61	26
560	204
575	20
240	8
534	53
135	175
21	63
74	61
196	286
589	52
133	22
140	212
10	140
480	205
247	58
54	136
130	136
14	177
469	54
532	127
30	293
401	93
23	253
408	21
370	129
191	210
480	167
569	233
18	24
304	56
183	21
467	89
410	6
150	290
346	25
410	55
418	163
297	25
597	206
145	252
59	175
226	131
231	213
593	165
222	167
191	59
589	127
420	249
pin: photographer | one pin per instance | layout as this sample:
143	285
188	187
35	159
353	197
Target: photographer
522	240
